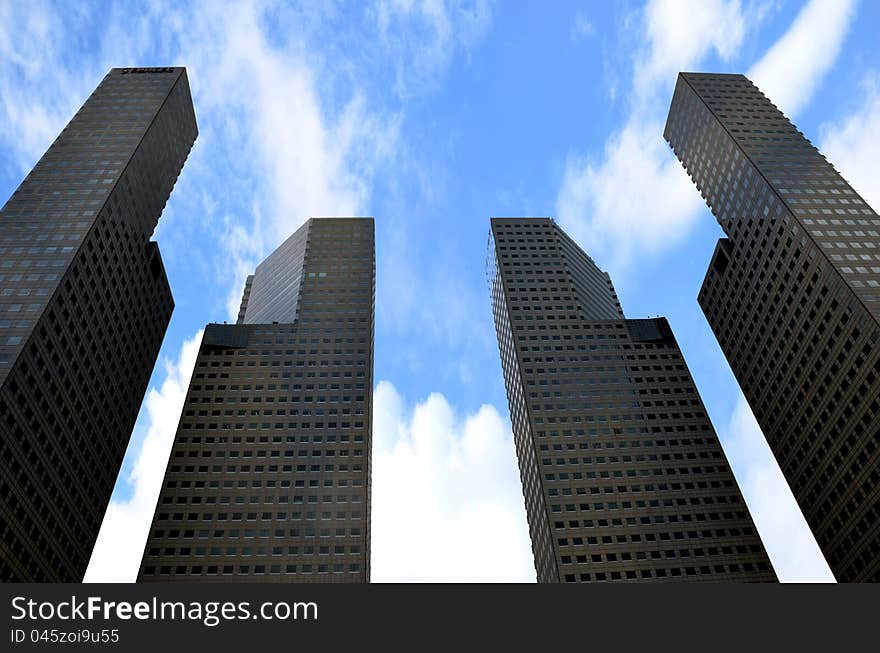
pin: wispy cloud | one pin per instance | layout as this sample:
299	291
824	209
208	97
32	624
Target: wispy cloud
792	69
851	143
633	197
447	499
581	27
631	201
422	36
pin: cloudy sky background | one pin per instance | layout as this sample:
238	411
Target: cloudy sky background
432	116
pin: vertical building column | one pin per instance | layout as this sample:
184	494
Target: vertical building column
84	304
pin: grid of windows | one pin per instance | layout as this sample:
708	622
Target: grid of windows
623	476
791	295
84	303
269	474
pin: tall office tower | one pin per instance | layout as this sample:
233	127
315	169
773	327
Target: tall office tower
269	475
84	303
793	296
623	476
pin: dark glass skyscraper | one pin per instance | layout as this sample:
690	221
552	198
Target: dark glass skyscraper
623	476
84	303
793	296
269	474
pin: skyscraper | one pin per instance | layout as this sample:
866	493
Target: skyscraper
269	475
84	304
793	296
623	476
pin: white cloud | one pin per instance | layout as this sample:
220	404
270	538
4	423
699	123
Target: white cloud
447	501
784	531
790	71
851	145
423	35
123	535
635	197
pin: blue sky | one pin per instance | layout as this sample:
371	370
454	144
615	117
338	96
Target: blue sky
433	116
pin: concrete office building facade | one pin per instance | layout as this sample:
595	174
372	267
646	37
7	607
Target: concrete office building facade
793	296
624	478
